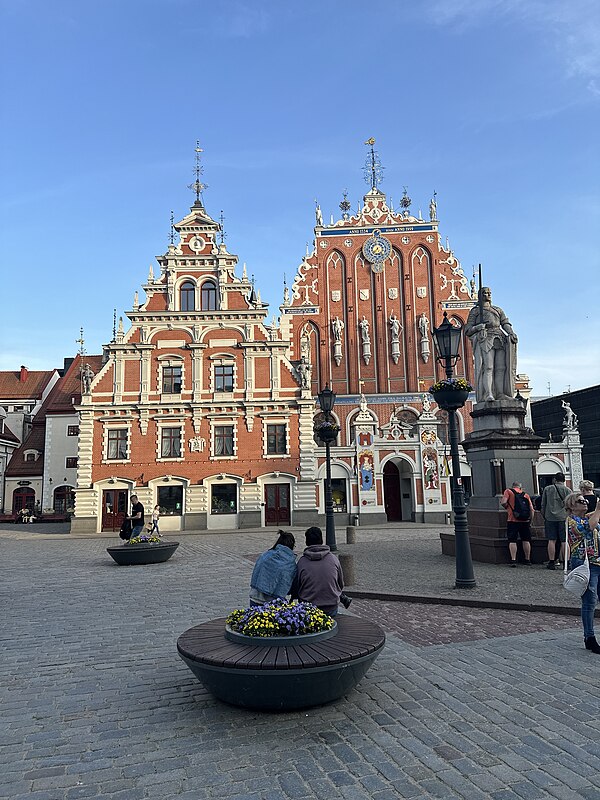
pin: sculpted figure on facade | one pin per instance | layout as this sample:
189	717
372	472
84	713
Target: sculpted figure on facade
570	420
304	372
87	376
395	327
337	326
494	347
364	330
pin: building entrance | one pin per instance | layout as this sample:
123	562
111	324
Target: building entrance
397	492
114	509
277	504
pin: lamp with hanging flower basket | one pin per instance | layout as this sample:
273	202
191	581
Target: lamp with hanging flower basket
327	430
451	393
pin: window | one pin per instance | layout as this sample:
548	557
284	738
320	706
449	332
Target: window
73	430
276	439
117	444
223	498
170	443
71	462
30	456
170	500
224	440
187	296
171	380
223	377
208	296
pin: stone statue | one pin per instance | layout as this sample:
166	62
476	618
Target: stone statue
286	296
394	327
495	349
433	208
337	326
304	370
426	402
318	214
87	376
423	326
364	330
570	420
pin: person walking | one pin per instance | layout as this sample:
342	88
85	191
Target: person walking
274	571
518	526
155	518
137	516
584	536
320	579
555	515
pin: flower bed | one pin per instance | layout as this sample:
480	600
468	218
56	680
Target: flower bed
279	618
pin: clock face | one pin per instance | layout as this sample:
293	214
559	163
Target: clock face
376	249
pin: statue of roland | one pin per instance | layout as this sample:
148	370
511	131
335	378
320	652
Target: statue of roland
495	349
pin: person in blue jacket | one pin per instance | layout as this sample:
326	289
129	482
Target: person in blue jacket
274	571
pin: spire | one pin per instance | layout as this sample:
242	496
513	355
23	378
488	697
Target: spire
345	205
172	231
197	186
114	325
222	234
151	274
373	169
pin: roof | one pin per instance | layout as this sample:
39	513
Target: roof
17	466
13	388
8	435
67	391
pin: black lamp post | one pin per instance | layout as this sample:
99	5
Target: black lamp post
327	401
447	340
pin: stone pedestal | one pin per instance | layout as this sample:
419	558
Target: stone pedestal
500	450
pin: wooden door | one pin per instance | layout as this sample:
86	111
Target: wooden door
114	509
391	492
277	504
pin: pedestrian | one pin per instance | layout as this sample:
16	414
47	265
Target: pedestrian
555	515
320	579
155	518
584	535
137	516
587	490
518	526
274	571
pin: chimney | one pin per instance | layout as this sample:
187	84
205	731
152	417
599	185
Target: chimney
23	375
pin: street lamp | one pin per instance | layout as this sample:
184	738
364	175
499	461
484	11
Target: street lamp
327	435
447	340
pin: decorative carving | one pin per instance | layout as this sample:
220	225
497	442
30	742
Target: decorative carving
337	326
393	293
197	444
336	295
395	328
365	339
424	331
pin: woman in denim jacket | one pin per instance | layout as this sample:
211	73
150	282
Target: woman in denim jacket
274	571
584	534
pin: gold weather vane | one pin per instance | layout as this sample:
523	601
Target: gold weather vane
197	186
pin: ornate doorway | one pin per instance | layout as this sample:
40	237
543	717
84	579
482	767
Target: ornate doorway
114	509
391	492
277	504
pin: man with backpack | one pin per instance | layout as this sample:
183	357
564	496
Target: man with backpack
520	513
555	515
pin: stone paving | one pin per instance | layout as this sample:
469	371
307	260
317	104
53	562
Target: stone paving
462	703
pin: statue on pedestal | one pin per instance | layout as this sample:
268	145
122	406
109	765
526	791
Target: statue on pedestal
494	345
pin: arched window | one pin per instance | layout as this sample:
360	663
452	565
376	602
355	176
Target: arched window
64	499
208	296
187	296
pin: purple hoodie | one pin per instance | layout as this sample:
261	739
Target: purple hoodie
320	579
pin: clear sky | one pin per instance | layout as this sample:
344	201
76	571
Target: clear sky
494	104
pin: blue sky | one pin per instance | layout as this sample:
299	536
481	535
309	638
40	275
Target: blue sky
493	104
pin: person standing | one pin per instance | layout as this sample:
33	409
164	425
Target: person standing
520	513
587	490
274	571
155	518
555	515
320	579
584	536
137	516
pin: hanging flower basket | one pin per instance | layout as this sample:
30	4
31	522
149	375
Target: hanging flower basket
451	393
327	431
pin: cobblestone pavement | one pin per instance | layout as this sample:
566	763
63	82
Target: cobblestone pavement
96	703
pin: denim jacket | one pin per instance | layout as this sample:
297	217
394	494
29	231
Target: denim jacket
274	572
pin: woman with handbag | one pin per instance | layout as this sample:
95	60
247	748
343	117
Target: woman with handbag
584	540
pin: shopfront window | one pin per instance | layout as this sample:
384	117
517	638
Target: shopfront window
170	500
224	498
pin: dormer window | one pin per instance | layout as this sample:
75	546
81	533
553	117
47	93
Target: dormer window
187	296
208	296
31	455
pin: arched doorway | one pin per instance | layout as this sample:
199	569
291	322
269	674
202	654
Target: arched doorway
24	497
397	491
64	499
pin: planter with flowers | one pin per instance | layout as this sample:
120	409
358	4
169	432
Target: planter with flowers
281	656
327	431
147	548
451	393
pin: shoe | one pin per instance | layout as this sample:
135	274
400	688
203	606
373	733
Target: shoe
345	600
550	565
528	563
513	564
592	644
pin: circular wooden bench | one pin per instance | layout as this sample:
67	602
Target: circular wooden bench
285	676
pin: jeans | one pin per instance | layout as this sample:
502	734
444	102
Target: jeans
589	598
154	526
137	530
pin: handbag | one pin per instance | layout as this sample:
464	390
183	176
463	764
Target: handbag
125	532
576	581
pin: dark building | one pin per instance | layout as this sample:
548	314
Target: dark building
548	416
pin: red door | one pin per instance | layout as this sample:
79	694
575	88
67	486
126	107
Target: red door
114	509
277	504
23	498
391	492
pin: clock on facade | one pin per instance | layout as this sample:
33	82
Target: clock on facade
376	249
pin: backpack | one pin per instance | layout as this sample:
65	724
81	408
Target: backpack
521	510
537	502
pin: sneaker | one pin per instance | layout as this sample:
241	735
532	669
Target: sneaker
550	565
513	564
528	562
345	600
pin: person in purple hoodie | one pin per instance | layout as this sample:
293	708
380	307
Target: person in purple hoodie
319	579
